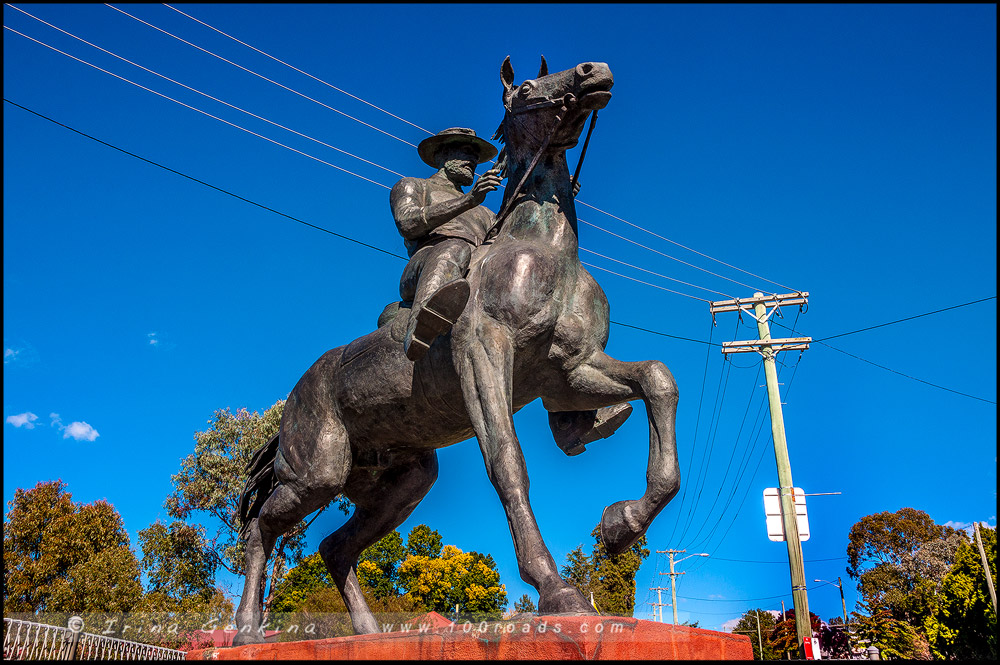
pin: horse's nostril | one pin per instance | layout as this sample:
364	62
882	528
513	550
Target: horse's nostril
585	69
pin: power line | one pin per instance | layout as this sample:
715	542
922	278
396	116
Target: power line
418	127
250	71
278	212
785	562
160	94
299	70
312	139
909	318
889	369
202	182
205	94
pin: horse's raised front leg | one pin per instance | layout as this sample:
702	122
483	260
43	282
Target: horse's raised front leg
485	366
603	380
382	501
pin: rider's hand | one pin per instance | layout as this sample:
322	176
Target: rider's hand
576	188
488	182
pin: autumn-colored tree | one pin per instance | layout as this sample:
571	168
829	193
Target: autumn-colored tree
611	579
747	625
469	580
783	638
378	565
966	624
876	626
211	480
60	556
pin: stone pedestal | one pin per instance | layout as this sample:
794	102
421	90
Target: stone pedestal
432	637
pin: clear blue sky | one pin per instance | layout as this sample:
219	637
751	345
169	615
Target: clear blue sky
844	150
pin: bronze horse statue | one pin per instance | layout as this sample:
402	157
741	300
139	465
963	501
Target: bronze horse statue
366	422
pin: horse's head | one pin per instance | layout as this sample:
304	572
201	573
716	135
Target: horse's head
553	106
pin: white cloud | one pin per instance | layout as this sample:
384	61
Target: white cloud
80	431
56	421
26	419
9	355
152	338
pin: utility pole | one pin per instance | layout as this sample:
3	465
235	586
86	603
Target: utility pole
659	600
986	567
673	575
768	347
760	642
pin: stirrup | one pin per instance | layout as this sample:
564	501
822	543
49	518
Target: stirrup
436	317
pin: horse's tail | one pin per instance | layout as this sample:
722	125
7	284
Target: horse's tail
261	481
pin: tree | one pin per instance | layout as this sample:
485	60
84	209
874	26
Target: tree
967	620
835	639
610	579
747	625
889	553
894	638
525	605
423	541
379	564
60	556
784	639
211	480
469	580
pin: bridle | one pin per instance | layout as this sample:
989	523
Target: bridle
564	102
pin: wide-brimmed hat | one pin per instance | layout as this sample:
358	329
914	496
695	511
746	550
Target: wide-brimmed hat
430	145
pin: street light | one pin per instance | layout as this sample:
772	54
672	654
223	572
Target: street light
673	575
840	586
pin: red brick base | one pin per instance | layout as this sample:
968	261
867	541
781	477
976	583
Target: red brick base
541	638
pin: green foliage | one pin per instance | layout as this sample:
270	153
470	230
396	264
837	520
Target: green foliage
423	541
610	579
378	565
525	605
302	580
894	638
211	480
60	556
747	625
177	561
967	621
888	553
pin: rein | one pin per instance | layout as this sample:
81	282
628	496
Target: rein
565	101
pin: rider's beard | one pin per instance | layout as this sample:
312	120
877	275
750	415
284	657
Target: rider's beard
460	171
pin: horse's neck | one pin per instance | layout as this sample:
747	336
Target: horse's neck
543	211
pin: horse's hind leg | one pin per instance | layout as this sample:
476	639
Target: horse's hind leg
603	380
312	465
382	501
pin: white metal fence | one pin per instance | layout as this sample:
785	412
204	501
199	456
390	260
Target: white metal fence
27	640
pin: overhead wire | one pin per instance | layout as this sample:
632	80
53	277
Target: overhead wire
250	71
315	78
215	117
205	94
277	212
909	318
317	141
425	130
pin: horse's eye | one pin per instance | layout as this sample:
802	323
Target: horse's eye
525	89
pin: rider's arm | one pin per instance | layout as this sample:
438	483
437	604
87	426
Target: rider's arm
413	218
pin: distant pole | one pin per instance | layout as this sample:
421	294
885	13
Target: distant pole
760	642
986	567
673	584
844	603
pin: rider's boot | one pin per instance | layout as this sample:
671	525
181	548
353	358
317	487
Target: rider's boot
435	317
573	430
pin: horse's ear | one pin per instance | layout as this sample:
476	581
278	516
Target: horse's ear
543	69
507	74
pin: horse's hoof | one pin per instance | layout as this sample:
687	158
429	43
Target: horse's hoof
566	601
619	528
